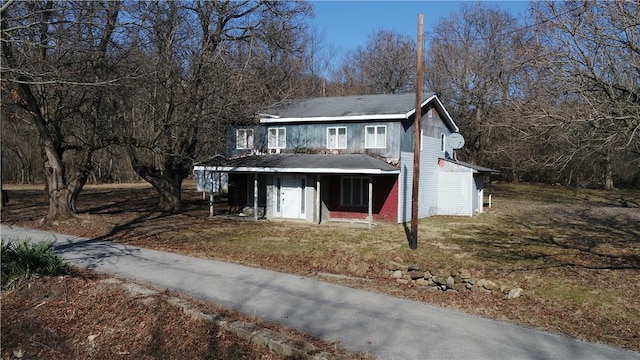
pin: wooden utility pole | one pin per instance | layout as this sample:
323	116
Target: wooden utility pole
413	238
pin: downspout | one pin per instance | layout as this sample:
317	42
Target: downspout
255	196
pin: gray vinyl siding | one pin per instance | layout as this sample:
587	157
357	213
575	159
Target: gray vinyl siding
478	190
432	129
428	183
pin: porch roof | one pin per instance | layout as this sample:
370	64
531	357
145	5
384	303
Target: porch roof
475	168
306	163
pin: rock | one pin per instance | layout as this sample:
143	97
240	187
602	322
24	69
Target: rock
403	281
481	282
415	274
457	279
514	293
415	267
92	337
471	281
459	287
464	273
468	286
427	275
450	282
504	289
393	266
439	280
396	274
424	282
490	285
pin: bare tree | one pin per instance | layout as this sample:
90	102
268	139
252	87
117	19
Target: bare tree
56	63
209	63
474	65
386	65
592	60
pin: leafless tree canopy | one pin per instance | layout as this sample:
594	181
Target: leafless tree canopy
114	91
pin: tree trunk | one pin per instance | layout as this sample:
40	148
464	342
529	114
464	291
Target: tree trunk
167	182
608	172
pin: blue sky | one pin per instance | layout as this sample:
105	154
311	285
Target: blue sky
346	24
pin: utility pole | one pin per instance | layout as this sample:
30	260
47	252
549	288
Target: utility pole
413	238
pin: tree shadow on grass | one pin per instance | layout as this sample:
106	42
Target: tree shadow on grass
604	238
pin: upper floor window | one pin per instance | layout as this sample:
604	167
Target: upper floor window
337	138
443	142
244	138
375	137
277	138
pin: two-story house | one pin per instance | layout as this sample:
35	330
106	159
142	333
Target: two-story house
348	158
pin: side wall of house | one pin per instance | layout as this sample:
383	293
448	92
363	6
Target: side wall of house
433	130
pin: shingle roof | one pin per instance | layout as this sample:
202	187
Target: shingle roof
306	163
386	104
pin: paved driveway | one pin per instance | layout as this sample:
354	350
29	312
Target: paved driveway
387	327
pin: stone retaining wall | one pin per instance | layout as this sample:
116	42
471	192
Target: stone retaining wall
456	280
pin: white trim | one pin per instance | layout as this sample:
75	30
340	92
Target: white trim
297	170
337	137
249	144
277	138
375	137
272	120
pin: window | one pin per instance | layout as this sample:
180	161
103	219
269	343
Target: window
443	142
244	138
375	137
354	191
337	138
277	138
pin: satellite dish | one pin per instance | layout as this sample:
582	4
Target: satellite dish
456	140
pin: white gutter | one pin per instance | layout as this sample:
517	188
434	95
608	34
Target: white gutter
296	170
272	120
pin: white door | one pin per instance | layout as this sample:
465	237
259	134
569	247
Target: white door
289	201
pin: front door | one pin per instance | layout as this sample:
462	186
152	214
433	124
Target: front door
290	198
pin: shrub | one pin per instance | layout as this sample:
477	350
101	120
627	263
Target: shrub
24	259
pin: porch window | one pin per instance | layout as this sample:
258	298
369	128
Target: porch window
277	138
354	191
244	138
375	137
337	138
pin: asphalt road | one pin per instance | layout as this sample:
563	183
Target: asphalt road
384	326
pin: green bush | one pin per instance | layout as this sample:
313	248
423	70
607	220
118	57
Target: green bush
24	259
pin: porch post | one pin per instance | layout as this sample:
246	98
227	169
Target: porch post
318	200
210	203
255	196
370	201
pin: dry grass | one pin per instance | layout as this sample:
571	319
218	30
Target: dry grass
576	251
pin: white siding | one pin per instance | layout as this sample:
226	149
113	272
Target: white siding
455	193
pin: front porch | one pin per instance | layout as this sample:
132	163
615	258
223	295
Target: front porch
312	188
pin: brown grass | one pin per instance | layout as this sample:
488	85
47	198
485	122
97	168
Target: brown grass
576	251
